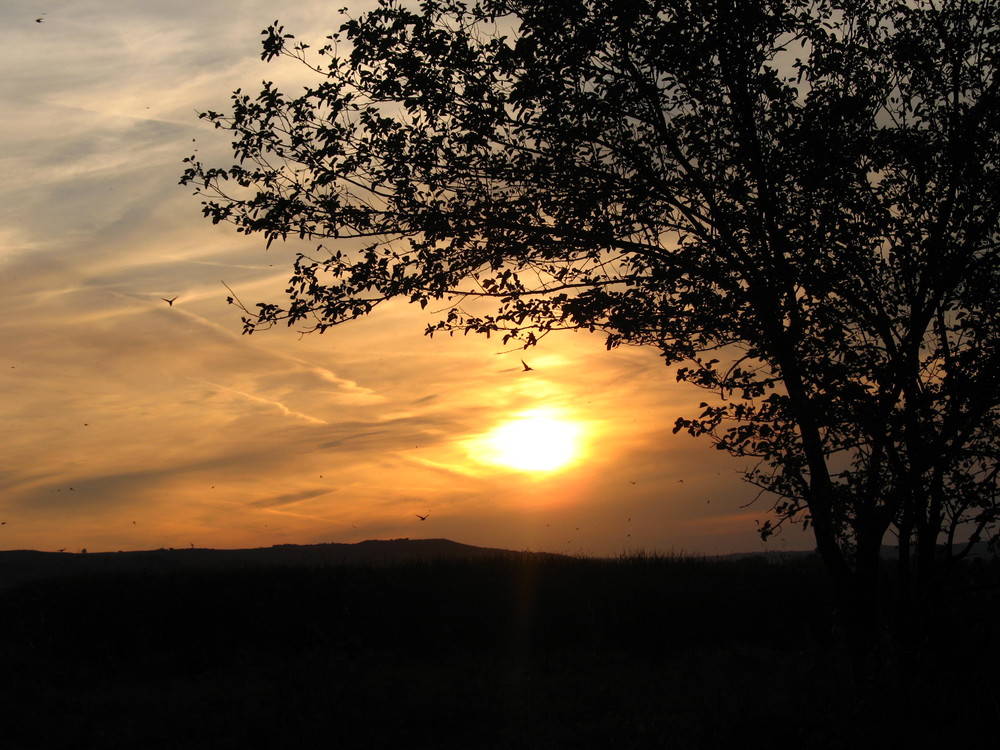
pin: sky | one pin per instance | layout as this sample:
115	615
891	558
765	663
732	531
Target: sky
129	423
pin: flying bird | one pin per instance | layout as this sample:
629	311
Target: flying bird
422	518
169	301
526	367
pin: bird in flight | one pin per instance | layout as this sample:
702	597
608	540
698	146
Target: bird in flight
424	517
526	367
169	301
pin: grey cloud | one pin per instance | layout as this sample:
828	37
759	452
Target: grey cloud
289	499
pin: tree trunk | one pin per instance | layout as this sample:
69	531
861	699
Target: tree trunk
904	623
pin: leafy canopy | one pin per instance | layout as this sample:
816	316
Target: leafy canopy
796	201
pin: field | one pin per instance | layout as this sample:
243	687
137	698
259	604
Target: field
498	650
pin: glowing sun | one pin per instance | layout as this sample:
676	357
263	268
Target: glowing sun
532	441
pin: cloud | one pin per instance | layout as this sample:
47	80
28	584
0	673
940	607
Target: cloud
456	469
293	498
267	402
171	417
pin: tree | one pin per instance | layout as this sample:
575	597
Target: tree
796	201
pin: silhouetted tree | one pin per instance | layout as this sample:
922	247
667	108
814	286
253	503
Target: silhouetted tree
795	201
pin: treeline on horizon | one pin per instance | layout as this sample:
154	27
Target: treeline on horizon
547	650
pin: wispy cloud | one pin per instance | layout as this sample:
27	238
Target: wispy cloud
266	401
294	498
169	417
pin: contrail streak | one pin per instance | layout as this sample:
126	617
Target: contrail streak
267	401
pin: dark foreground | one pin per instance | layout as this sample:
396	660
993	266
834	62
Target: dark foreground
500	651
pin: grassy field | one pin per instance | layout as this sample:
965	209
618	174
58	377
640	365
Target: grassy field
505	651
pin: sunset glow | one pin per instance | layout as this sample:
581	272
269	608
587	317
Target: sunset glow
536	440
137	416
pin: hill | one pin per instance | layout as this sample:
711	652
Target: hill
17	566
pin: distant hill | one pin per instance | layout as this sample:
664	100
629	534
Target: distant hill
17	566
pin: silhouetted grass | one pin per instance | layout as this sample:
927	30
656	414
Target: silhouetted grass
506	651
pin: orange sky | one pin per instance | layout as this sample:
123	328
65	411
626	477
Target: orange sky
131	424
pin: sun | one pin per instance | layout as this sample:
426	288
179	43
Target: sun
533	441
